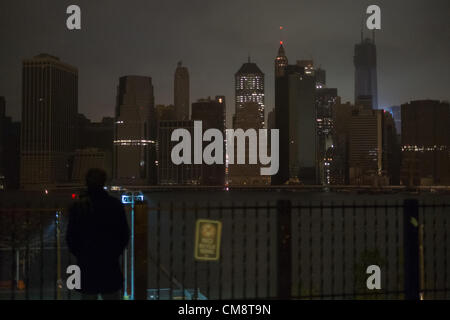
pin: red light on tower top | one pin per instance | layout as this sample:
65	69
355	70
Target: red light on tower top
74	195
281	42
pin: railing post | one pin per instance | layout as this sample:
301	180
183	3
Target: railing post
411	249
284	249
141	253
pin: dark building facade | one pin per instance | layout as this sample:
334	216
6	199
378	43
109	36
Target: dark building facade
365	62
9	150
295	117
425	143
49	110
134	161
212	114
181	92
168	172
95	135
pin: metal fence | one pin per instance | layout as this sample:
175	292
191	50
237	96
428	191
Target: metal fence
277	249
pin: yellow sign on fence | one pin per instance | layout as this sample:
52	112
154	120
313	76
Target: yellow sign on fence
207	239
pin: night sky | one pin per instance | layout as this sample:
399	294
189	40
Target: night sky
213	38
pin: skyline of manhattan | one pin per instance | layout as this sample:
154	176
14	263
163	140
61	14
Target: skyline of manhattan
210	73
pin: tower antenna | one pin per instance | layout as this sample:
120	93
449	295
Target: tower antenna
281	35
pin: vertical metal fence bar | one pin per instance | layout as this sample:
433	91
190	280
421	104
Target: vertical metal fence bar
221	258
332	250
321	251
424	250
446	286
435	282
386	249
310	251
158	250
233	235
397	249
208	272
244	252
268	249
27	254
354	247
183	249
344	258
41	238
195	261
55	239
171	251
256	250
13	254
375	236
299	251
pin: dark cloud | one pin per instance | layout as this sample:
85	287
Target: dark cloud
213	38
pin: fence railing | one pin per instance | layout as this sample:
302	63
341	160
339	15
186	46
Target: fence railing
278	249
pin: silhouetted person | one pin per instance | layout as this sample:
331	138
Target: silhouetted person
97	235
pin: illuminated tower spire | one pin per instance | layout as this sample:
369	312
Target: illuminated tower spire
281	61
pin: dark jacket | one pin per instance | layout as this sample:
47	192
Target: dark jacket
97	234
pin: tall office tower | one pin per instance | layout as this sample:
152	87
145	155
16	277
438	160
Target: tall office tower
135	132
342	114
425	143
181	92
49	110
320	78
247	174
365	61
168	172
212	114
295	117
281	61
369	147
396	112
391	148
249	87
326	98
9	150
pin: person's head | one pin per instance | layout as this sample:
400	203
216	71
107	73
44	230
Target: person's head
95	179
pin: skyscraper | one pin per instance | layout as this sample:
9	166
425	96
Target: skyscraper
281	61
249	87
246	118
365	61
212	114
181	92
168	172
365	145
9	150
135	132
326	98
49	110
295	117
425	143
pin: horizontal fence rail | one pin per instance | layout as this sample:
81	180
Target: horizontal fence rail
268	250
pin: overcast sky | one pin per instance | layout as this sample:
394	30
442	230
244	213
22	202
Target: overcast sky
213	38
